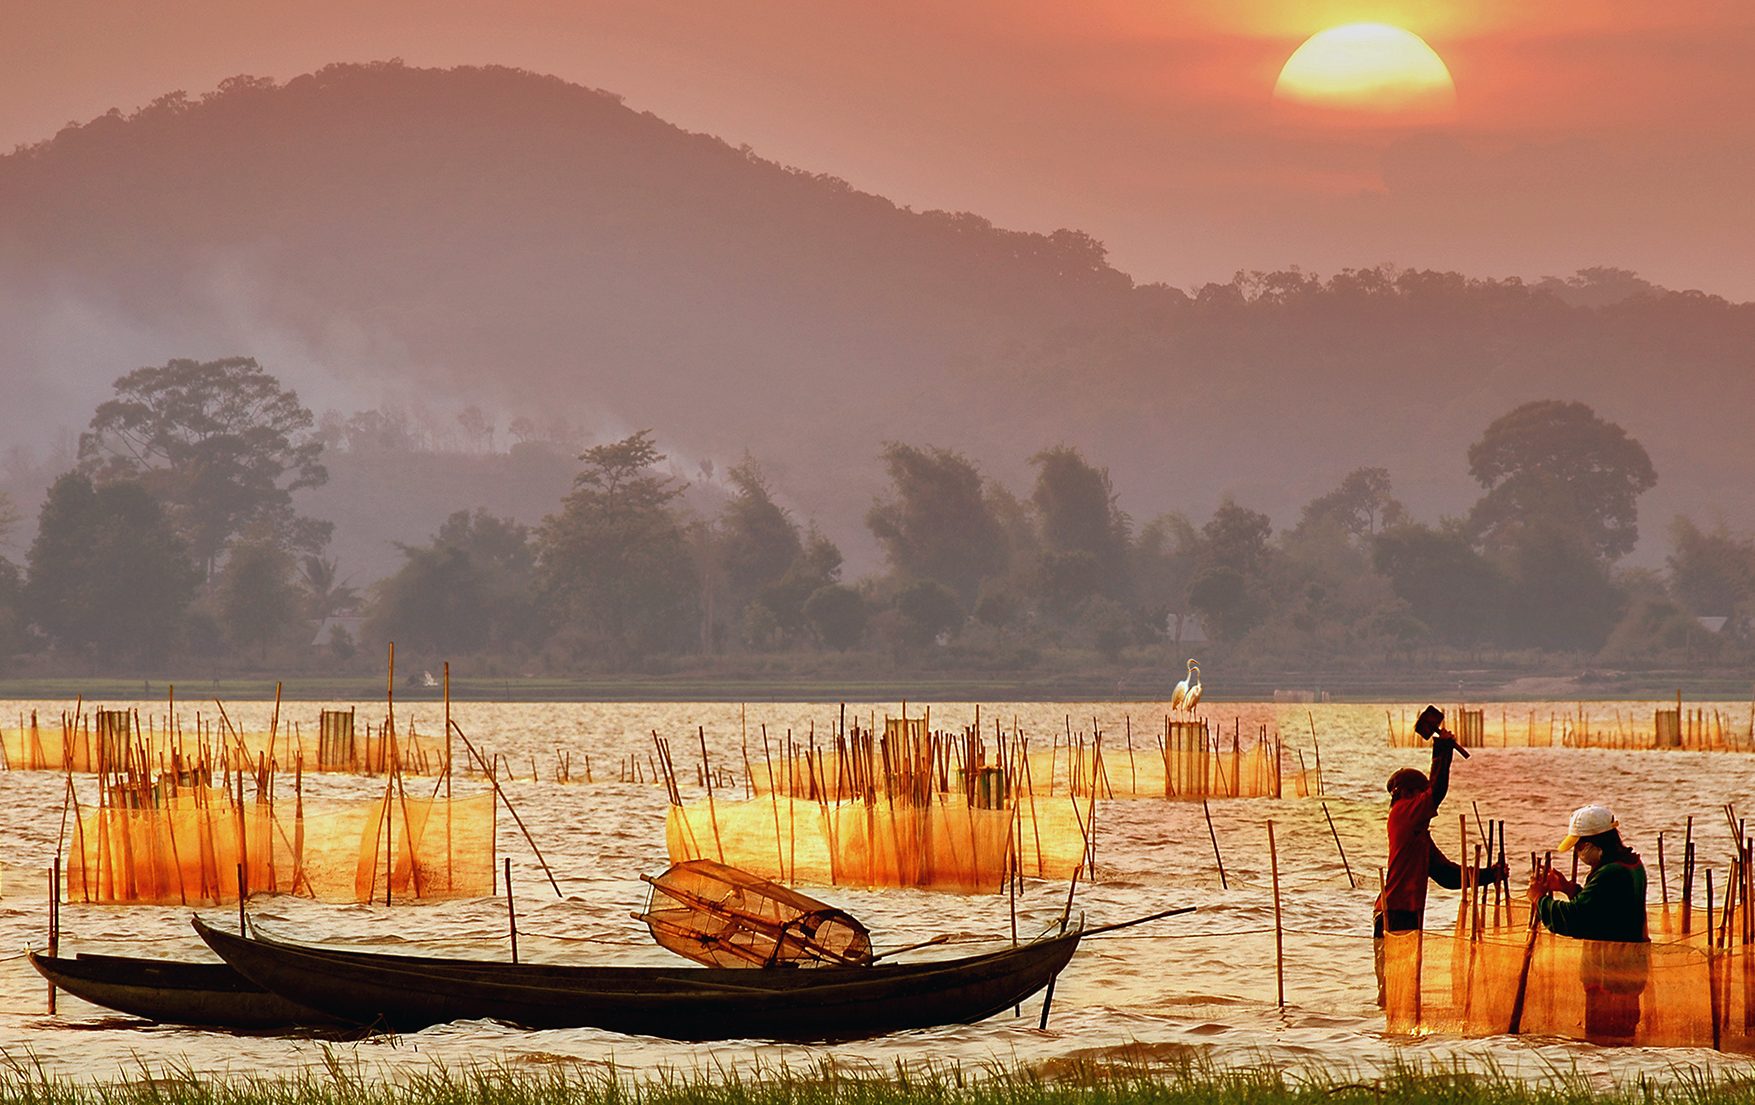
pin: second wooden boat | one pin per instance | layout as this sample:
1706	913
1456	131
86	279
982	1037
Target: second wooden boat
408	993
209	995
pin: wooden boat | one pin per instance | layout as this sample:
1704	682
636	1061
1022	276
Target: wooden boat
210	995
408	993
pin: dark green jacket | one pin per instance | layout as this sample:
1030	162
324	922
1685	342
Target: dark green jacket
1610	905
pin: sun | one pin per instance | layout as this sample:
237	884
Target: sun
1368	72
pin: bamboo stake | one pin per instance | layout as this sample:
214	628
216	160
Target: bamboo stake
54	920
1279	926
470	748
1344	864
511	910
1217	858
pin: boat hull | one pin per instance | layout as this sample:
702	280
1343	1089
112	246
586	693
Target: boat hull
209	995
408	993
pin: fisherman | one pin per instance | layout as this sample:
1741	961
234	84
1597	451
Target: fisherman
1414	859
1608	912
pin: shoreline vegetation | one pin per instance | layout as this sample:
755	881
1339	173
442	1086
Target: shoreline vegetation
1475	687
1188	1080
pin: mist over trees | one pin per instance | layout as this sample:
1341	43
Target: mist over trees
633	569
1109	473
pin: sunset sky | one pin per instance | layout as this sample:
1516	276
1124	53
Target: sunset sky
1603	133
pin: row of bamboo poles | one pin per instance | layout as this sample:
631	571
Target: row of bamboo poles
1695	729
101	741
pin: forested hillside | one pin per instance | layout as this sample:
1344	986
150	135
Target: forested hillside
379	233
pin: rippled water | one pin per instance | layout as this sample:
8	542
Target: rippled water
1203	982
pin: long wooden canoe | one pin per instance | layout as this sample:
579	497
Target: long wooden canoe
210	995
408	993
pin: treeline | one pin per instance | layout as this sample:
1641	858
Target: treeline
174	537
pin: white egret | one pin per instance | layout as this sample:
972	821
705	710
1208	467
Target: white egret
1193	696
1179	696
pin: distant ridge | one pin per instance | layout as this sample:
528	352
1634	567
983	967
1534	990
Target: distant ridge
490	235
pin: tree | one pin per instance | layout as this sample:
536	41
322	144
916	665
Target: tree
12	616
1561	594
614	563
927	609
757	541
436	603
1236	537
1557	463
1221	596
1065	581
937	525
837	615
107	573
220	443
1361	506
1076	508
1713	574
1449	587
468	588
257	600
325	592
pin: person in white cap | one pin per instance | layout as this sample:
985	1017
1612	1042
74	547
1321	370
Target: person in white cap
1608	910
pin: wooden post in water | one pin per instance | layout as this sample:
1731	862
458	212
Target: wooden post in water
1279	928
54	920
1344	864
1218	859
511	910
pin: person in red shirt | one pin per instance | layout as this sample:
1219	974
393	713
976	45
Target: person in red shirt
1414	859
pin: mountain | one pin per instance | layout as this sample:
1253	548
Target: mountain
380	233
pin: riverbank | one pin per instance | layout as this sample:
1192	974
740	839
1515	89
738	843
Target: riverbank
1182	1082
1474	686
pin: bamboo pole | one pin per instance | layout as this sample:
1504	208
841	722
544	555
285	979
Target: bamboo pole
1279	925
495	783
511	910
1214	836
1344	864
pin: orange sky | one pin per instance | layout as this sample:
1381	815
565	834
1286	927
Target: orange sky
1590	132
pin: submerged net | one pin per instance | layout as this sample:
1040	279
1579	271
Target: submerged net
1492	974
724	917
185	847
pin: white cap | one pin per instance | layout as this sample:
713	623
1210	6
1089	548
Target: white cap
1587	821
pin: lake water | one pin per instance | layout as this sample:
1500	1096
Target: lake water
1202	983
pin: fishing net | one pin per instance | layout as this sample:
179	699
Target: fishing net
186	848
942	843
1493	975
1187	762
1589	725
105	741
724	917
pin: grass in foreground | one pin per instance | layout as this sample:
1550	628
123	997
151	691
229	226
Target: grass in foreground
24	1083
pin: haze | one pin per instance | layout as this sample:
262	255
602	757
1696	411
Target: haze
1607	133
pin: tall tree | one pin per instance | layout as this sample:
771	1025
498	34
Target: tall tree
937	524
258	603
757	541
1557	463
1075	505
1713	574
471	587
220	443
614	562
1455	592
1361	506
1084	534
107	572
